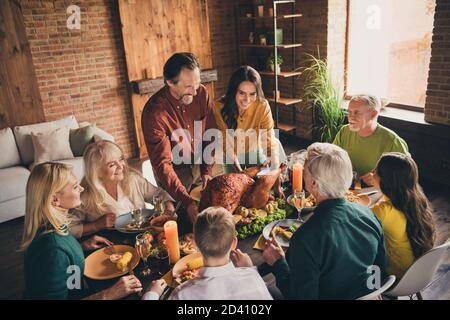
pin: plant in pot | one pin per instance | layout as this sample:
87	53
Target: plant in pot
271	62
322	96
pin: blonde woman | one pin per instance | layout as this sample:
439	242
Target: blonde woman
53	258
111	189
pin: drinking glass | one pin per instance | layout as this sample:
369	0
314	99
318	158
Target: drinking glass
158	204
299	205
163	262
138	217
143	247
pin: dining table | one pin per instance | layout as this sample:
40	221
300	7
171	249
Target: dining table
245	245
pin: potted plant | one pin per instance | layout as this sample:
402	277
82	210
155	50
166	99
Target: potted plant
271	62
322	96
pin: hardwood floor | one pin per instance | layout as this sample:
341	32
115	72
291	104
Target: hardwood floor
11	261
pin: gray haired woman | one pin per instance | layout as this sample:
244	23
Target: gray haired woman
340	249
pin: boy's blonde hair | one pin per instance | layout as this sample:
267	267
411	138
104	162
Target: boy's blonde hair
45	180
214	232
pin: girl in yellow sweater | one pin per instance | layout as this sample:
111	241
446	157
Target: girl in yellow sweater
405	212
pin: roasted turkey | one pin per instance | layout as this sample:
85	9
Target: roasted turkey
227	190
231	189
259	194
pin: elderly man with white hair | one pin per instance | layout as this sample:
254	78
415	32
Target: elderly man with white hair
365	139
339	252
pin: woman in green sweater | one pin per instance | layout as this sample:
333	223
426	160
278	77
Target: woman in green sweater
54	260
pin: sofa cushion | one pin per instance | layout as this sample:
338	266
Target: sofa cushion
99	134
16	178
52	145
23	135
12	209
9	155
78	166
80	138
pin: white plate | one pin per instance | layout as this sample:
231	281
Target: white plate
263	172
267	232
126	218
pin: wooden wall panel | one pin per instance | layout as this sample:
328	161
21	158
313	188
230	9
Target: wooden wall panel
154	30
20	100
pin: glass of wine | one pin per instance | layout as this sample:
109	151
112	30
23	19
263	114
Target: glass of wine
163	260
158	204
299	203
138	217
143	247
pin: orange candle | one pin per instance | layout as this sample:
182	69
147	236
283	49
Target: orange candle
297	177
172	243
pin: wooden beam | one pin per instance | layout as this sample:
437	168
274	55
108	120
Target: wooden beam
150	86
20	100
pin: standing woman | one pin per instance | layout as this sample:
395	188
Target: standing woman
112	188
244	108
405	211
52	255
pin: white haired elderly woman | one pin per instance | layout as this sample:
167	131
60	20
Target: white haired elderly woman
335	252
111	188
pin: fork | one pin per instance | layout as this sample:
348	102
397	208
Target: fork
110	248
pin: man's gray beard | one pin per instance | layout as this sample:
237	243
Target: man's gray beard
182	101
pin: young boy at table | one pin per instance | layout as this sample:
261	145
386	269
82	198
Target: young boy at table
219	279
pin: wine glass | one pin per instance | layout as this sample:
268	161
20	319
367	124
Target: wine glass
158	204
299	203
163	260
143	247
138	217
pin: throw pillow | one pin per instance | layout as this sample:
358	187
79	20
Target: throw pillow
80	138
51	145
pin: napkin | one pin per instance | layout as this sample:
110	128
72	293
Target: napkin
260	243
169	279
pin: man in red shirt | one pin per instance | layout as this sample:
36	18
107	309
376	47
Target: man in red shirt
168	121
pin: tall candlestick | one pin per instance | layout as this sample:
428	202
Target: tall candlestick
172	243
297	177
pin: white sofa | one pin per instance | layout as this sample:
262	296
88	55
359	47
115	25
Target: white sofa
17	156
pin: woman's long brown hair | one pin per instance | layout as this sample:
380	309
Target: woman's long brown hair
399	180
230	109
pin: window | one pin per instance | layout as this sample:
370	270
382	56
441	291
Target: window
389	49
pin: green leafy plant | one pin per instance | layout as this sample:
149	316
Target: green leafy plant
271	60
323	97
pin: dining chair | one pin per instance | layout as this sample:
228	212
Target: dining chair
376	295
420	274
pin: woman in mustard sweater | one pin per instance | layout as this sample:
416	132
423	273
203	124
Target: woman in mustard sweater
245	119
405	212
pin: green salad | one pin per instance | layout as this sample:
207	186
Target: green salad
259	223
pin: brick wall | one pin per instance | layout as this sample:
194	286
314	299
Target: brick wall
311	32
222	26
437	106
81	72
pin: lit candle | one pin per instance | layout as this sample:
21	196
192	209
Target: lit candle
172	243
297	177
